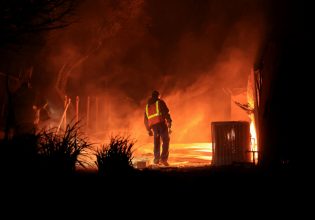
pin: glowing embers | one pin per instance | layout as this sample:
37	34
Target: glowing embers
181	155
253	143
231	135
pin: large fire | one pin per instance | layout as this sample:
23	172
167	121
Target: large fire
253	147
181	155
192	115
251	105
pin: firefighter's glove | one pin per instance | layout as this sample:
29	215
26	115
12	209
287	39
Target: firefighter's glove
169	125
150	133
169	130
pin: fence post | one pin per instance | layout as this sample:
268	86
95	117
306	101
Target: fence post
77	109
88	112
65	113
96	112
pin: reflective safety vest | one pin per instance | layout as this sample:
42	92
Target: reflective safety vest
153	113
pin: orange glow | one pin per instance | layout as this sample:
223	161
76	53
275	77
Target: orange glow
251	104
253	147
181	155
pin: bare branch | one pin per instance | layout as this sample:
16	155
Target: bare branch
19	17
245	107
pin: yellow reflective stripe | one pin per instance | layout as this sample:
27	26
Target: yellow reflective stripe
157	107
157	110
147	110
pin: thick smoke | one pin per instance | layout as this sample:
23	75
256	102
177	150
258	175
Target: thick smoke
191	51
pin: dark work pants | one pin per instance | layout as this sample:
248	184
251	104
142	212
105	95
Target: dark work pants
161	132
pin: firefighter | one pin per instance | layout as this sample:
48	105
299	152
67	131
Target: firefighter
24	101
158	119
43	114
29	108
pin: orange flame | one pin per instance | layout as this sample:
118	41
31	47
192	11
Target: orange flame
251	104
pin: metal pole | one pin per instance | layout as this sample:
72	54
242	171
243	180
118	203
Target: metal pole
88	112
77	109
63	116
65	113
96	112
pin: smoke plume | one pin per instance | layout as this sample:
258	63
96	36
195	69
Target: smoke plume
191	51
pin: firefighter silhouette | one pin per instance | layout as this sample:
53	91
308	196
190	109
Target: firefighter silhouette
29	109
158	119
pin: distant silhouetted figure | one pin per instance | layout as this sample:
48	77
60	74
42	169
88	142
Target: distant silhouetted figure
158	119
29	109
24	109
42	115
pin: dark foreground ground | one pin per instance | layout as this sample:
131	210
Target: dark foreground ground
235	185
232	192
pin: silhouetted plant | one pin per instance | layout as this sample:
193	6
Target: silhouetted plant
116	157
59	153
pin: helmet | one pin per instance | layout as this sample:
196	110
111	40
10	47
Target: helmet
155	94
